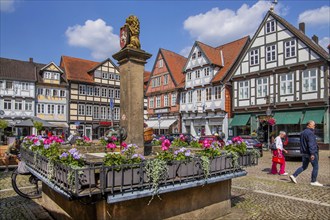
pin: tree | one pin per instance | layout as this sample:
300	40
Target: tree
38	126
3	126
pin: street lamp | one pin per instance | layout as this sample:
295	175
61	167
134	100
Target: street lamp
268	113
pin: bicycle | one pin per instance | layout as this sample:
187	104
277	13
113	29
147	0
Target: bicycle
25	183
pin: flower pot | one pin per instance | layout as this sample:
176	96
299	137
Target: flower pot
228	163
243	160
218	164
172	168
86	177
188	168
124	177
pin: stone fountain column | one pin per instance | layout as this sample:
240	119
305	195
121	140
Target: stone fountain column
131	67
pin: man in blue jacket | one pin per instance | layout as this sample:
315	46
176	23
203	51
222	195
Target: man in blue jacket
310	151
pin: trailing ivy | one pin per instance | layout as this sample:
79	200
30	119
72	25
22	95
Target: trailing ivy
205	162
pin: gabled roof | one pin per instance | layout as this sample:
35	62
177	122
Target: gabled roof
175	64
101	63
77	69
42	69
19	70
213	54
309	42
231	51
52	63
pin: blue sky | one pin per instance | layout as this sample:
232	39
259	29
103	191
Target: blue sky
45	30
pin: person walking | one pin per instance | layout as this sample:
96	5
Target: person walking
279	153
11	152
310	151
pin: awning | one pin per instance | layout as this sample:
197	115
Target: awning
165	124
29	123
151	123
240	120
287	118
60	124
315	115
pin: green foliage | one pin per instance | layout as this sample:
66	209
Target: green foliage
210	152
51	153
113	159
237	148
82	142
156	142
234	162
177	142
195	144
205	162
3	124
38	125
165	155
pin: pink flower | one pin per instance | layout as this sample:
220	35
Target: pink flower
124	145
111	146
48	141
166	145
206	144
114	138
237	139
182	137
87	138
162	138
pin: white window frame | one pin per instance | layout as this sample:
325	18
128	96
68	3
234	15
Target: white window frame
188	76
25	86
103	111
173	99
244	90
183	98
151	102
307	80
111	93
28	106
290	48
190	97
90	90
9	83
18	105
160	63
208	94
40	108
104	92
82	89
165	79
158	102
217	92
286	84
62	93
116	113
96	112
97	91
117	94
270	26
166	102
81	109
271	53
105	75
198	74
89	110
199	95
262	87
207	71
254	57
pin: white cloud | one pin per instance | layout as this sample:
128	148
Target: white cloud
185	51
219	26
7	5
324	42
96	36
319	16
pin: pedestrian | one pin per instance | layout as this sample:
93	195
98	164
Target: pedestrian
279	153
11	152
310	153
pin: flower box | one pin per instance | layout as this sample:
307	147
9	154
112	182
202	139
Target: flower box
188	168
124	177
219	164
244	160
172	168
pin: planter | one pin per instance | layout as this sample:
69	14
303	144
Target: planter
124	177
244	160
172	168
188	168
219	164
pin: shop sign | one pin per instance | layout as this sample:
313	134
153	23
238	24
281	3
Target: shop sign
162	110
105	123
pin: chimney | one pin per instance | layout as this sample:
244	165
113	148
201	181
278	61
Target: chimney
315	39
302	27
31	60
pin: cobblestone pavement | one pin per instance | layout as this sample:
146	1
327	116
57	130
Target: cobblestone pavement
261	195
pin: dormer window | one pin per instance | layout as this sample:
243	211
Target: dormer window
270	26
193	56
199	54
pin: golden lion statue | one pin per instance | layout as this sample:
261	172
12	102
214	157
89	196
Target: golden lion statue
133	25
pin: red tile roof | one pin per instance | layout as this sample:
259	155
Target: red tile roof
211	53
77	69
146	76
175	64
231	52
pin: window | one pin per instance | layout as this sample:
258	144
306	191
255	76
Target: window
290	49
105	75
190	96
156	82
116	113
173	99
40	91
193	56
89	110
47	75
104	92
244	90
262	87
103	112
47	92
7	105
18	105
96	91
309	80
188	76
62	93
199	54
111	93
166	100
166	79
208	94
151	102
90	90
96	112
217	92
270	26
25	86
28	106
206	71
286	84
183	98
271	53
51	109
55	93
199	95
254	57
56	76
109	113
82	90
81	109
60	109
117	94
41	108
157	101
9	85
160	63
198	74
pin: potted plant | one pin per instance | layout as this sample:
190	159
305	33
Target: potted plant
237	149
180	141
187	166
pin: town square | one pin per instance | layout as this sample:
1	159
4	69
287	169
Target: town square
164	109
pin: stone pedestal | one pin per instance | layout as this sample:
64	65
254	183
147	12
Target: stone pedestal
131	66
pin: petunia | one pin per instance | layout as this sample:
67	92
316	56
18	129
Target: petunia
64	155
124	145
111	146
166	145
